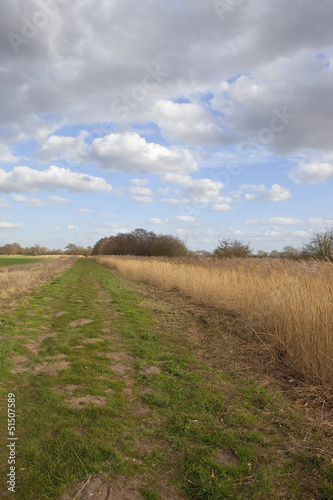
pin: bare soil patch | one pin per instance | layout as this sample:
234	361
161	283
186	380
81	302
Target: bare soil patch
116	356
77	403
92	340
20	364
95	489
51	369
80	322
227	457
60	313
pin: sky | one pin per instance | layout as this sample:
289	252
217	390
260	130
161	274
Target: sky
202	119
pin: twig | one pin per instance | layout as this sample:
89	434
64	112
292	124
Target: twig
85	484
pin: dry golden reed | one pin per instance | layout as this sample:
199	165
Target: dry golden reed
21	278
289	302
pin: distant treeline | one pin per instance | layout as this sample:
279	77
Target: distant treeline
17	249
141	243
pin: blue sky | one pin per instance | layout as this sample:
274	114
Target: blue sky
201	119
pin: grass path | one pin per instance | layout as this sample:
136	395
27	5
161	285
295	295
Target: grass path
124	392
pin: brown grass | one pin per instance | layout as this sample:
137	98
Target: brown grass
288	303
30	275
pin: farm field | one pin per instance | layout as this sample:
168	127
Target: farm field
19	260
126	391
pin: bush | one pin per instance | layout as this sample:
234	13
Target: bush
228	249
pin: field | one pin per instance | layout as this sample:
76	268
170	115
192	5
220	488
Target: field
17	279
127	391
288	303
18	260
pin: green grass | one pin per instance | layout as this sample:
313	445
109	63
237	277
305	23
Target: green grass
193	412
11	261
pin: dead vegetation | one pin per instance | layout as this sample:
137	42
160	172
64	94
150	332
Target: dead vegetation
287	304
18	279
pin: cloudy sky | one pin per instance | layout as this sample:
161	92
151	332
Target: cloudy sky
198	118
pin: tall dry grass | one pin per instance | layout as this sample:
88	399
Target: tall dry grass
288	302
18	279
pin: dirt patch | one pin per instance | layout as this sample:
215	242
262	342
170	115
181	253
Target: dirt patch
227	457
20	364
33	347
139	409
92	341
77	403
68	390
81	321
95	489
47	336
60	313
151	370
120	369
51	369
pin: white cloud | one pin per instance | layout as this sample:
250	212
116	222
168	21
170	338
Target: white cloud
157	221
140	191
275	193
312	173
142	195
188	123
221	207
253	187
83	210
143	199
197	191
70	149
11	225
57	199
184	218
30	202
129	152
70	226
139	182
112	216
6	155
301	234
274	221
175	201
26	179
204	190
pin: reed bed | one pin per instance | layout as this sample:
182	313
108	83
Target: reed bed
30	275
289	303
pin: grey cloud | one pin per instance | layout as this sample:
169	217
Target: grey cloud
88	59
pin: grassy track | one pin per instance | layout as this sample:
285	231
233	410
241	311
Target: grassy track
141	393
13	261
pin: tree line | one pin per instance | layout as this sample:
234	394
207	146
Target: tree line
148	244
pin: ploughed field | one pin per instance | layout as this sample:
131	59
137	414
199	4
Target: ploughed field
125	391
